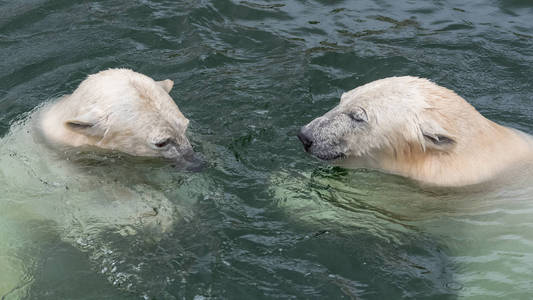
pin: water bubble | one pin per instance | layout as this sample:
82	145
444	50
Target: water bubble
454	285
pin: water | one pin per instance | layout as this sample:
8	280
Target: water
264	220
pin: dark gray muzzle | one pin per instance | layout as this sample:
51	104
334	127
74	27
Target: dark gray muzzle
306	140
190	161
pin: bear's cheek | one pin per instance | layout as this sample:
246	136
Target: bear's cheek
356	144
127	143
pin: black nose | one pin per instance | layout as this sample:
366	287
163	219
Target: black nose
190	161
306	141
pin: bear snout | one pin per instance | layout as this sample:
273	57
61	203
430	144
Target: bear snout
307	142
191	162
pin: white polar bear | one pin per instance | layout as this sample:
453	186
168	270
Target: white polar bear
54	180
415	128
119	109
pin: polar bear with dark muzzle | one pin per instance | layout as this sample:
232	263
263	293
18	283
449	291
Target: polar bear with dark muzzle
64	175
412	127
121	110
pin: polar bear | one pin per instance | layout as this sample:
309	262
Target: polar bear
119	109
63	173
415	128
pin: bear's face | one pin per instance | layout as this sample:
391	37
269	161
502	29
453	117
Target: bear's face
340	133
125	111
142	133
374	123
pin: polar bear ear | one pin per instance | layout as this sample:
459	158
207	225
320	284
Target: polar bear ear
166	84
86	124
436	137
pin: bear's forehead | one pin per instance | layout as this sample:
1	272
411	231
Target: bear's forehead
132	96
167	121
386	94
145	105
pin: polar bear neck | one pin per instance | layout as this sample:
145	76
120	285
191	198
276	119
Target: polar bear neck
487	155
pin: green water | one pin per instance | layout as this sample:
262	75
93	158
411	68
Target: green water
265	220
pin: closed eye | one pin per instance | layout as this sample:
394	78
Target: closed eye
358	116
163	143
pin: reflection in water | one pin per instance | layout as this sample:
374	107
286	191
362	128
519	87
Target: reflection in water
482	238
108	205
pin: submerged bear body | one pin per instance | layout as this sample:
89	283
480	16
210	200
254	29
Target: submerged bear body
64	174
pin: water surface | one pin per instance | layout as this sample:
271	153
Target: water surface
265	220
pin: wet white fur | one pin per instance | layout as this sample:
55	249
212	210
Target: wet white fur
118	109
127	112
401	111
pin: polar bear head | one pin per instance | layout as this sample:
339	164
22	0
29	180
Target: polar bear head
119	109
404	125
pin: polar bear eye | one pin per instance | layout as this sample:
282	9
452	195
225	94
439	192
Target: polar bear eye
162	143
358	116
